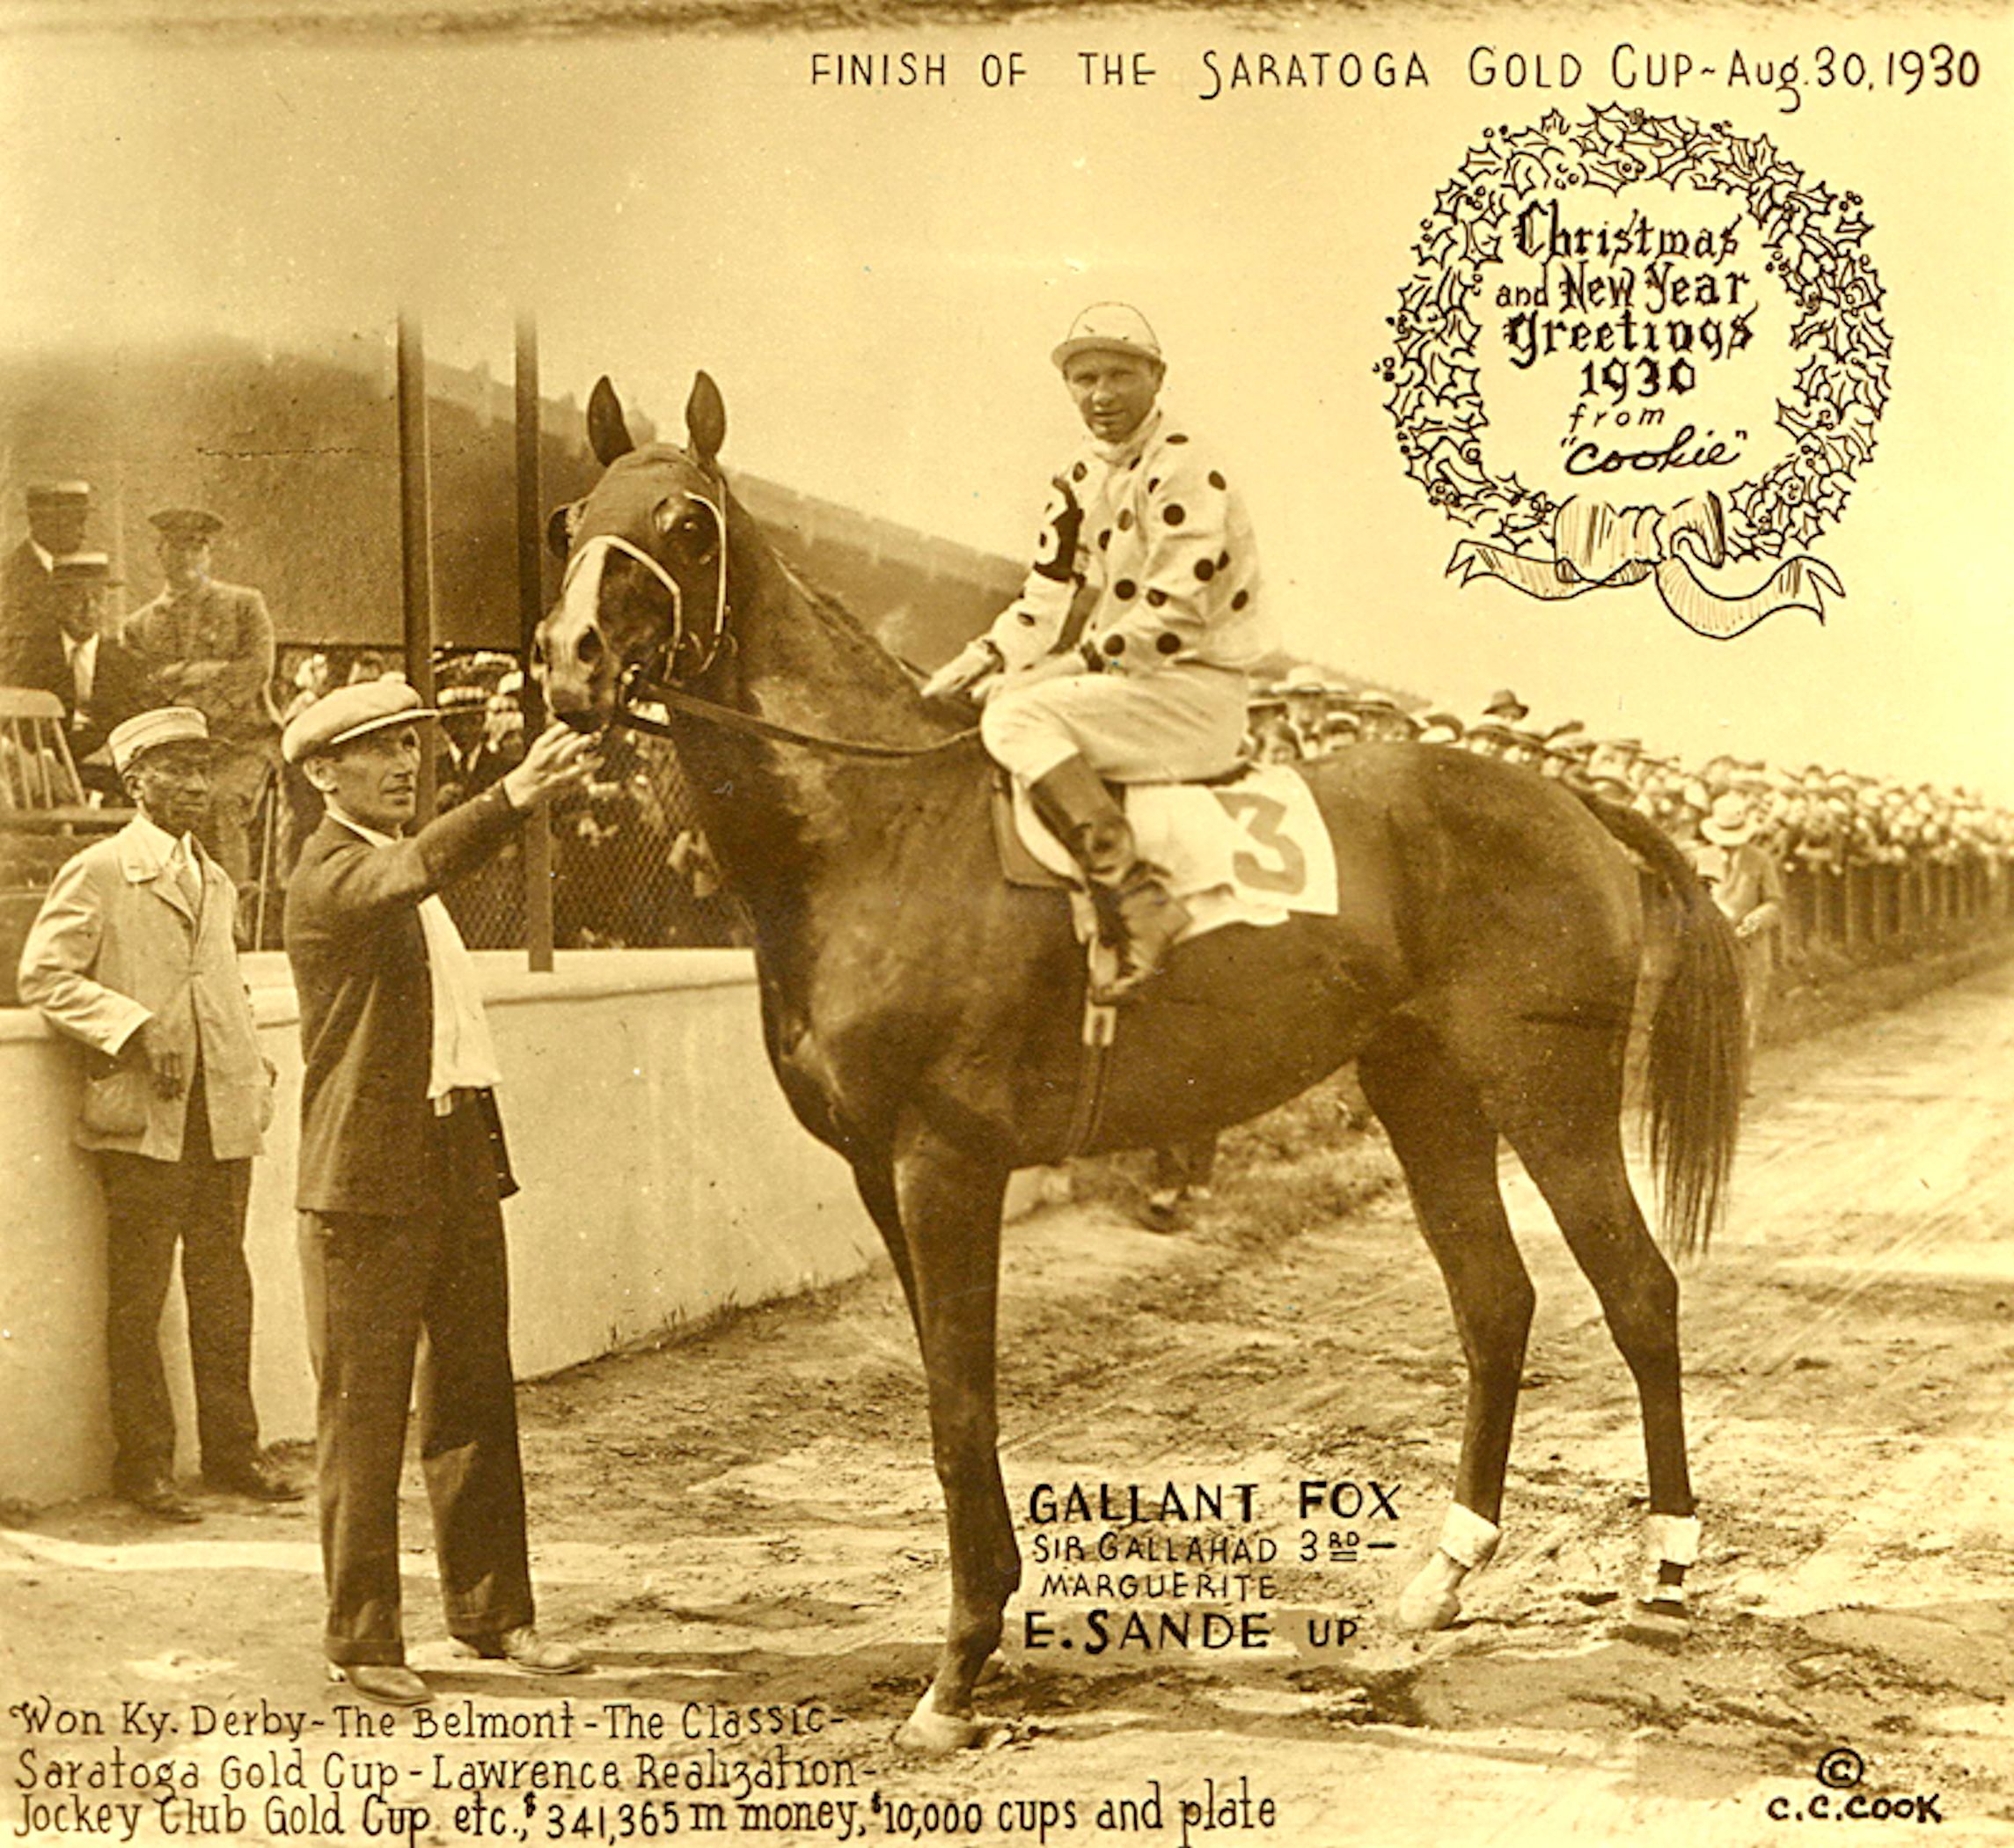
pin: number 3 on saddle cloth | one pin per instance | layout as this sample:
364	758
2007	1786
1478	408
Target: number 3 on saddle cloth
1248	848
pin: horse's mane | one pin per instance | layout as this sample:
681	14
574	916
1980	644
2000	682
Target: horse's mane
825	604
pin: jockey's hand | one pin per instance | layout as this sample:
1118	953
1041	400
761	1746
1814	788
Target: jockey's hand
561	758
964	669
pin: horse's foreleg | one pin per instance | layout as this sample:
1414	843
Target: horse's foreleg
950	1212
1448	1151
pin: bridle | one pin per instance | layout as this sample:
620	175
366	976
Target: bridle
652	679
663	658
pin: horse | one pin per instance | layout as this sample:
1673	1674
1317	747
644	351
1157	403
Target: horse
924	1017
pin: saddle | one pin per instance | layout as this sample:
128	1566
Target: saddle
1249	847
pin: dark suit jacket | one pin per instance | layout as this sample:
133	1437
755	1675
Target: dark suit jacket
119	686
359	957
26	592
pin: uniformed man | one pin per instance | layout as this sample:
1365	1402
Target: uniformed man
133	953
1141	677
210	645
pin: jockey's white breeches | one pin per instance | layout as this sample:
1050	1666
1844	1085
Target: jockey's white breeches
1175	724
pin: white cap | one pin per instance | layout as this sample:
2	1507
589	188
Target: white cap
1109	327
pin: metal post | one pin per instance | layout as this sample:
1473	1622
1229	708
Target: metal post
416	540
530	607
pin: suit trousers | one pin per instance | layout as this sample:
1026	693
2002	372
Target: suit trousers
147	1205
373	1283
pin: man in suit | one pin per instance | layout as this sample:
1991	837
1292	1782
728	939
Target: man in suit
56	515
133	953
402	1172
99	681
210	645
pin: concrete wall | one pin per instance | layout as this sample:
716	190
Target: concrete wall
663	1178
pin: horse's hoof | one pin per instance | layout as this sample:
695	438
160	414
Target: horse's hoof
1657	1620
1433	1600
1429	1607
928	1733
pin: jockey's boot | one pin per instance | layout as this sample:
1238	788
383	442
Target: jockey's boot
1139	914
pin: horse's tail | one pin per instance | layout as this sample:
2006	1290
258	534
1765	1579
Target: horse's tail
1698	1041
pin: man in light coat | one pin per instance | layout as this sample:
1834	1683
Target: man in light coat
1125	655
133	953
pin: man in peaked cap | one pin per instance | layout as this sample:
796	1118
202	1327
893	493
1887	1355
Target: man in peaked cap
402	1174
210	645
133	953
1124	656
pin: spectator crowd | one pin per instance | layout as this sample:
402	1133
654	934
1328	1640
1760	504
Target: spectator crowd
1815	818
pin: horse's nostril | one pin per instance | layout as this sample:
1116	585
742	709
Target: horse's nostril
588	647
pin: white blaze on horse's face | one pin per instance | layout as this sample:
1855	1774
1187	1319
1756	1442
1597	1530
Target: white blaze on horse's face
644	587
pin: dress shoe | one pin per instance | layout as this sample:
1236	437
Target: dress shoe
391	1684
524	1648
254	1479
159	1497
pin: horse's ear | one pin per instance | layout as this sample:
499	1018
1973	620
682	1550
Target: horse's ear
706	419
608	435
559	529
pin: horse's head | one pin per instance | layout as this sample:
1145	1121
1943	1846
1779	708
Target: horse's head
645	552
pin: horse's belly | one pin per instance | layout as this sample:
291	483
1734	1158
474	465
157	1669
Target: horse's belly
1240	1021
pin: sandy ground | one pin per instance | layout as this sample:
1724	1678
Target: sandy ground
747	1520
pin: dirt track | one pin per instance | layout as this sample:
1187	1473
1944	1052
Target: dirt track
750	1517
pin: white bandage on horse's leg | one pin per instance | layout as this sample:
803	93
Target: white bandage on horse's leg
1674	1539
1466	1538
1433	1600
1674	1545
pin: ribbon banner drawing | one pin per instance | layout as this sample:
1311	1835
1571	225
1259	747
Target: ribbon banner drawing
1600	548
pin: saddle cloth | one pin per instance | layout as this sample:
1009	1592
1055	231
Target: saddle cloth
1251	849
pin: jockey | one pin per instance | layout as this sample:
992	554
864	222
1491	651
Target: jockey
1125	655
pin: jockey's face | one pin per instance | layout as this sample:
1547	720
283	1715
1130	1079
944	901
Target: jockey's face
1113	391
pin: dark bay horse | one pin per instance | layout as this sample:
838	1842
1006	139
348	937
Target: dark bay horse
924	1017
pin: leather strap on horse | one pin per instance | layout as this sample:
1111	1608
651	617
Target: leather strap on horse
1101	1028
674	699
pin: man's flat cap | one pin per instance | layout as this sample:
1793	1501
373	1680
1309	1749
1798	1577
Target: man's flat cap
185	522
147	731
351	712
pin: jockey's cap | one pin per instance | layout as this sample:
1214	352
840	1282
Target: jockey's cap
1111	327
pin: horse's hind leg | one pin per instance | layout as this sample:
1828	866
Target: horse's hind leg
1568	1134
951	1215
1449	1150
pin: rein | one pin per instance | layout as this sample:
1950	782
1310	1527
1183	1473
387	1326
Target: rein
675	700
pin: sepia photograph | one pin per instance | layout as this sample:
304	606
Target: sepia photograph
997	923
